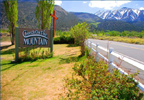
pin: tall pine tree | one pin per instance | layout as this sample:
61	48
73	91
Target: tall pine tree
12	16
42	12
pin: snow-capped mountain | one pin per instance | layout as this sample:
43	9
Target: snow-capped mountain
124	14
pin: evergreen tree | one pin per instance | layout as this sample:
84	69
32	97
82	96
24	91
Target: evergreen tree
12	16
42	12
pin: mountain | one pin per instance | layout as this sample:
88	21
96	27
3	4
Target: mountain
24	1
123	14
65	19
27	1
119	26
27	19
91	18
103	24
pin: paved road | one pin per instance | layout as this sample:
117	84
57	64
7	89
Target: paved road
134	51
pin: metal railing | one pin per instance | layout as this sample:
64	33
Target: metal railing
111	54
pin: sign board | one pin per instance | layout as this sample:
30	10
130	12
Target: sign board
34	37
25	37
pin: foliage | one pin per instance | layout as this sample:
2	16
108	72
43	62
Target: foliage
63	38
116	25
34	54
94	81
87	52
43	10
12	16
27	18
123	34
80	33
3	31
121	39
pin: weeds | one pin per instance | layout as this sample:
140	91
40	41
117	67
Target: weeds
121	39
93	80
33	54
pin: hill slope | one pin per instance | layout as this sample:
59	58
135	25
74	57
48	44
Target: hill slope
118	26
91	18
108	24
27	19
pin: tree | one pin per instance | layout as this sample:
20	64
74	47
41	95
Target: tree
12	16
80	34
42	12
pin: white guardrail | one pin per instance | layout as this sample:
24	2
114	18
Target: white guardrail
110	59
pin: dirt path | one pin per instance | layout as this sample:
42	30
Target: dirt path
5	43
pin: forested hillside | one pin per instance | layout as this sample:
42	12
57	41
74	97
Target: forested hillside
103	24
27	19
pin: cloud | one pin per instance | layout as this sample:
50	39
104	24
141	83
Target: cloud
141	8
107	4
58	2
84	2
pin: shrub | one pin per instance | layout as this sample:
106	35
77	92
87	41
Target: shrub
96	82
64	40
80	33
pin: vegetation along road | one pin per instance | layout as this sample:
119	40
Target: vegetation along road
133	51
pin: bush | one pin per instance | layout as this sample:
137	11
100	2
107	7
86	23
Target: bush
80	34
96	82
64	40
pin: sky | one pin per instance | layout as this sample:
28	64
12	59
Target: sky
92	6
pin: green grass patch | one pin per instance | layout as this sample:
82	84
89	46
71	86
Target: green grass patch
132	40
96	24
39	79
5	38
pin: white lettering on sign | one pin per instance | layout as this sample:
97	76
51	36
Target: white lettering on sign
35	38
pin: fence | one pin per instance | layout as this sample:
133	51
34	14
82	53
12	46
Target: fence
111	55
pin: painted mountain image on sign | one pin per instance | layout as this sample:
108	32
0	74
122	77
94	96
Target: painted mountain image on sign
34	37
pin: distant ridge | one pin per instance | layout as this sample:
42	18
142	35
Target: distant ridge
123	14
87	17
27	19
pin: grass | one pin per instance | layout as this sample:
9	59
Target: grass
133	40
5	38
96	24
40	79
5	35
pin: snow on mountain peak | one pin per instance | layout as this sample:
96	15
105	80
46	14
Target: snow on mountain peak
125	14
136	11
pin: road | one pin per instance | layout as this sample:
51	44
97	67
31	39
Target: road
132	51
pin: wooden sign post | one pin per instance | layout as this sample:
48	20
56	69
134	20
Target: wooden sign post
54	17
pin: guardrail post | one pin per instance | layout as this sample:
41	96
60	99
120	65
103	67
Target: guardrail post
110	60
87	43
91	48
97	57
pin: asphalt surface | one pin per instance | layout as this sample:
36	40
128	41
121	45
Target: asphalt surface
132	51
